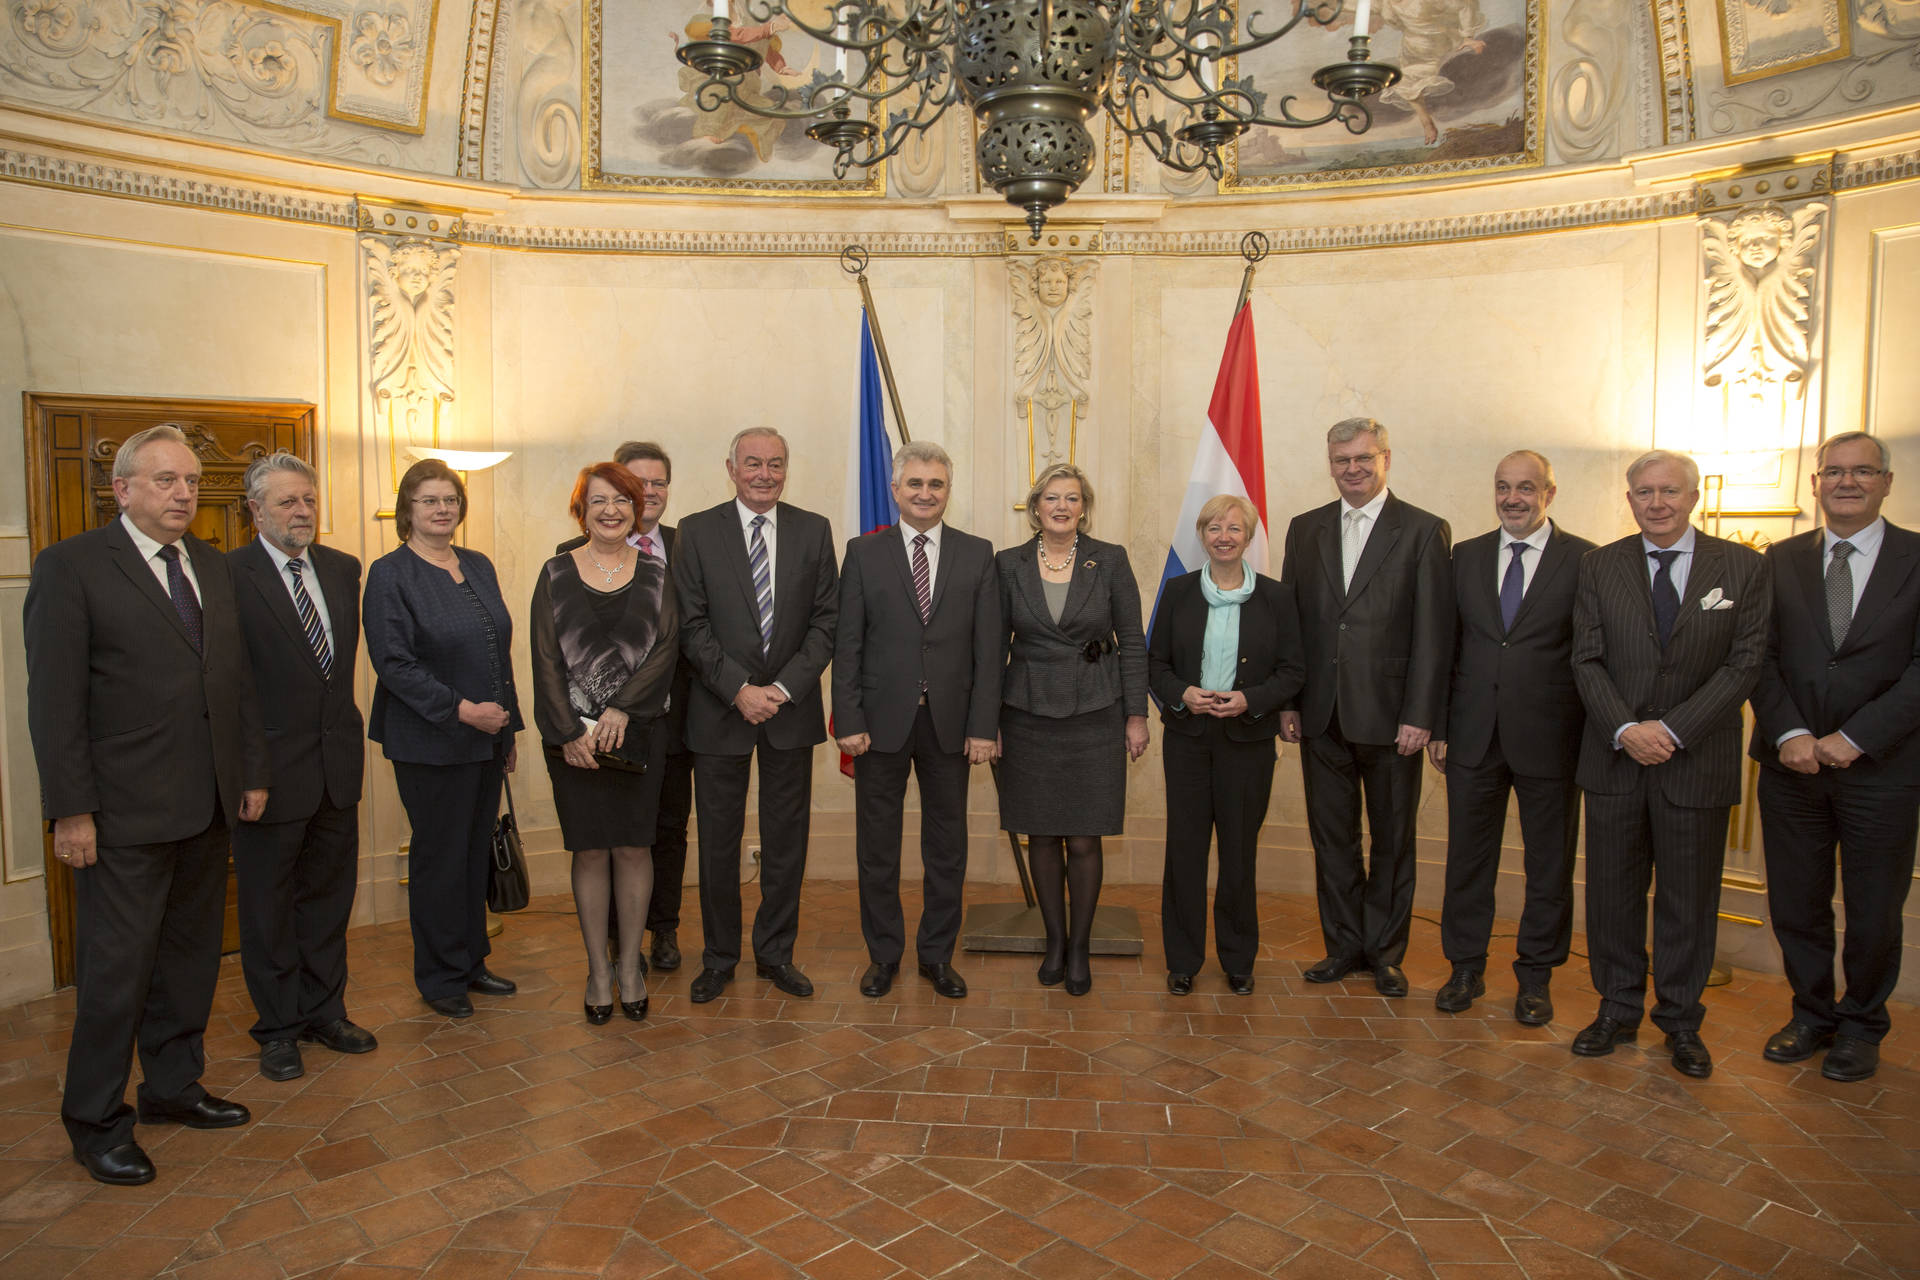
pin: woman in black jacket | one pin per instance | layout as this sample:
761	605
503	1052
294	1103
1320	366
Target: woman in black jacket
1225	655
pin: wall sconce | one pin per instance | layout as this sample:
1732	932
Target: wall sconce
465	460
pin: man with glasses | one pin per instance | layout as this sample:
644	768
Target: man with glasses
1375	586
1669	631
1834	723
652	467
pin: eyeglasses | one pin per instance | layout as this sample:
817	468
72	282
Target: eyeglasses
655	484
449	501
619	500
1356	460
1833	475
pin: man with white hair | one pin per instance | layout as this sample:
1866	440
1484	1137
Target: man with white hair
1669	631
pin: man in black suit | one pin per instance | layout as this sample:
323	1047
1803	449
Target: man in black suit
1835	715
148	741
916	687
652	467
758	596
1669	630
1375	587
299	608
1513	727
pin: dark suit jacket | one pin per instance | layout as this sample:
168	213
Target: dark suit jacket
1383	648
1272	664
720	627
1695	686
1868	689
129	723
883	653
1519	681
316	741
1047	670
682	689
429	653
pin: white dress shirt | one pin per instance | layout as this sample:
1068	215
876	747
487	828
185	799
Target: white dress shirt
1536	544
1356	526
150	552
1866	550
907	534
280	559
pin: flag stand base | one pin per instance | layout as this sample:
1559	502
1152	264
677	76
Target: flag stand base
1016	927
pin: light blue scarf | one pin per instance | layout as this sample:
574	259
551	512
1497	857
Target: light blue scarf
1220	649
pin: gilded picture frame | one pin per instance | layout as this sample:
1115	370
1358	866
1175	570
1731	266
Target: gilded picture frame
1761	38
642	131
1468	101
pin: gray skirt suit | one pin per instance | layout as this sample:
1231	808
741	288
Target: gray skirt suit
1070	684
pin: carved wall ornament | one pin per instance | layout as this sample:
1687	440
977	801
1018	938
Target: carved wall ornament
410	319
1052	352
546	110
1603	98
279	75
1760	322
476	90
1888	73
1676	71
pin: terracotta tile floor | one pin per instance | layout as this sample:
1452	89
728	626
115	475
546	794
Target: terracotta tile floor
1298	1132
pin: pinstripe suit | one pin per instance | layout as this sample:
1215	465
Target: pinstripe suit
1670	816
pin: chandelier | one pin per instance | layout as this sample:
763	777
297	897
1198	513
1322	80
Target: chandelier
1034	72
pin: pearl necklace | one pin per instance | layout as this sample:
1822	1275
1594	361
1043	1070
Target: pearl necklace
608	574
1066	564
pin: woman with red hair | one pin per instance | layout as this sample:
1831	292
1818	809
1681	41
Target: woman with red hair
605	630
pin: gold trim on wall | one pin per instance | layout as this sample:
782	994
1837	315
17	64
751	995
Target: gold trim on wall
1843	50
337	45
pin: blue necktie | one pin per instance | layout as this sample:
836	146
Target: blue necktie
1513	586
1666	600
185	603
310	617
762	582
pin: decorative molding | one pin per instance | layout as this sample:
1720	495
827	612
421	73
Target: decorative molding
920	166
409	285
1052	300
546	105
137	184
1765	183
1901	166
1835	88
830	244
1676	70
476	89
1601	97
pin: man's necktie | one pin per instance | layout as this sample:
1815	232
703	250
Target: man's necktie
922	577
1666	600
184	601
310	617
1840	593
762	581
646	545
1351	546
1513	586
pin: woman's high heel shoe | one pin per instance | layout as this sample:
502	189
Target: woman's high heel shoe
636	1010
598	1014
1050	977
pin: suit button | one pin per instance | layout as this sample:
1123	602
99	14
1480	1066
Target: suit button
1243	661
1343	626
1503	644
1666	671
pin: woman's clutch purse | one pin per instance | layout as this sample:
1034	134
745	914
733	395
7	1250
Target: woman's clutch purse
629	757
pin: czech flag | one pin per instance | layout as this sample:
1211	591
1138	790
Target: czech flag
870	505
1230	458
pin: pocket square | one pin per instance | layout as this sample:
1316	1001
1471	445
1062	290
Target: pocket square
1714	600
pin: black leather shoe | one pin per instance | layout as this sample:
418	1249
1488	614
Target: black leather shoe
341	1036
123	1166
878	979
666	950
708	984
454	1006
598	1015
786	977
1332	969
1795	1042
1851	1060
1388	980
1533	1007
1597	1038
1690	1056
1181	984
945	981
636	1010
280	1060
208	1112
1051	977
1462	989
492	984
1241	984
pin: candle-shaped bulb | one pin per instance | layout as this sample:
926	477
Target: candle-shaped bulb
840	50
720	10
1363	19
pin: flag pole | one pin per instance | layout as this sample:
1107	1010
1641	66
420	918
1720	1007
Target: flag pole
1254	248
853	261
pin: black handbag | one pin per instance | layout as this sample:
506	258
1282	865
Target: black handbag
629	757
507	886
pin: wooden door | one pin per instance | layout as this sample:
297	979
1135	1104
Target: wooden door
71	443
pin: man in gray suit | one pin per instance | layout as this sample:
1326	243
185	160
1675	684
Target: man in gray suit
758	597
916	687
1669	633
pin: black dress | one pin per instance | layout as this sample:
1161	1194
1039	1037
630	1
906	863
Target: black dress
604	632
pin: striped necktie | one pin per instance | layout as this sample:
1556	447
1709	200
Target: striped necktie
310	617
922	577
762	582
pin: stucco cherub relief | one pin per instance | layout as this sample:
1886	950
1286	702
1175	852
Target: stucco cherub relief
1757	338
410	284
1052	350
